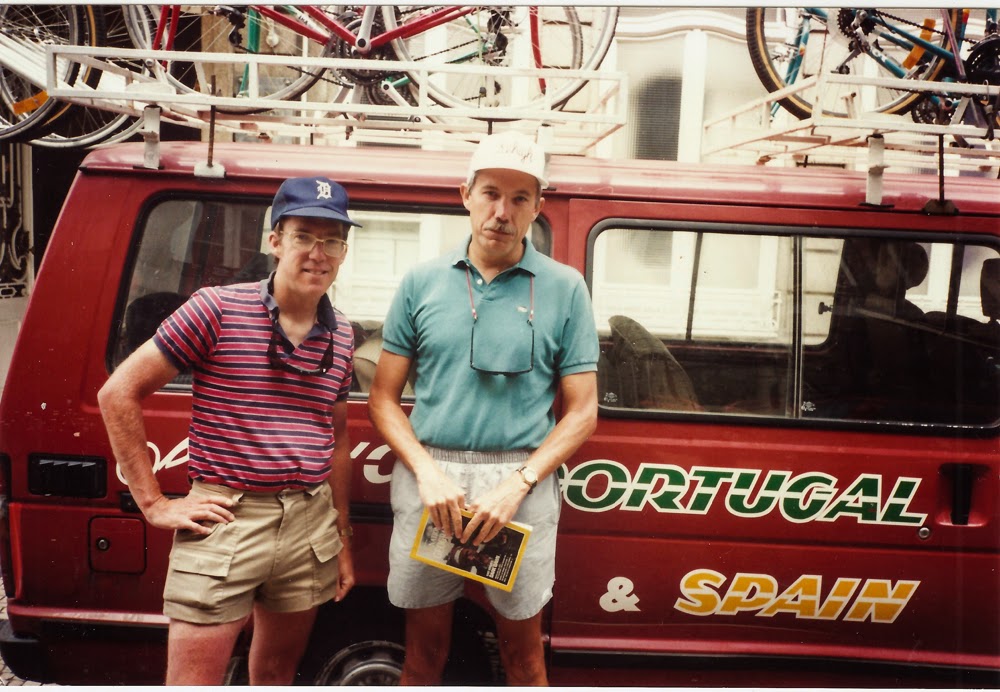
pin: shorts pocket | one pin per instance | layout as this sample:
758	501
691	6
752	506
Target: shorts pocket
324	538
210	554
199	565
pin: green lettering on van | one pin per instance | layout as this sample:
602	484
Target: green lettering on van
861	500
579	480
895	510
667	498
709	482
805	496
739	495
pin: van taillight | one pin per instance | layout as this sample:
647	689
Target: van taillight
6	565
64	476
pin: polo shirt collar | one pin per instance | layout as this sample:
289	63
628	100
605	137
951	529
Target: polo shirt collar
530	262
325	314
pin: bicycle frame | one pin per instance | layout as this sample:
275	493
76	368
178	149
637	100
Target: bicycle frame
915	45
362	41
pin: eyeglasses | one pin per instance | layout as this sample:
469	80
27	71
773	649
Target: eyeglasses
505	348
305	242
283	364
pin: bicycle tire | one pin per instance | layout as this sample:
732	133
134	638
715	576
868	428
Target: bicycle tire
199	30
27	110
88	126
571	38
775	46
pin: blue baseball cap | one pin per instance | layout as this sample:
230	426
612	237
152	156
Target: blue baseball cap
313	197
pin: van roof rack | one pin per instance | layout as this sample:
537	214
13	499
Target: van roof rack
125	90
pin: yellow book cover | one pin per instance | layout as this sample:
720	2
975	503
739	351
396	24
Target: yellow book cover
494	563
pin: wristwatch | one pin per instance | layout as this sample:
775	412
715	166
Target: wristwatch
346	533
529	476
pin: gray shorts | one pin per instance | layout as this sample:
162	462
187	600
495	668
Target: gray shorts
413	584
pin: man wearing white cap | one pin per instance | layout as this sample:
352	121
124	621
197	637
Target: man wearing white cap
495	330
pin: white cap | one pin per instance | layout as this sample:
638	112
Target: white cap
511	150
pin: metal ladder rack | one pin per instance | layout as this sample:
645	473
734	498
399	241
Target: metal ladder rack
425	123
749	134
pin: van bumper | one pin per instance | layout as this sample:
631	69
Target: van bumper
71	653
23	655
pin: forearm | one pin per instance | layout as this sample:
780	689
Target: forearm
127	433
578	422
340	482
566	437
120	399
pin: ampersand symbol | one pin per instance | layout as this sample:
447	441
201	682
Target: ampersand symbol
619	596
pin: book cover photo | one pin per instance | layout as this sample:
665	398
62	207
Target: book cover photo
494	563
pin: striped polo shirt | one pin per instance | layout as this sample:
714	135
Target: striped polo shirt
256	426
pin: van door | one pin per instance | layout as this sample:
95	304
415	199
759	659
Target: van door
796	457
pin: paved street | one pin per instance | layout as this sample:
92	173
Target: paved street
7	676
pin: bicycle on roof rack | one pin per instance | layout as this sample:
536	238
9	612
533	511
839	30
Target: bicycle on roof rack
26	111
573	38
789	45
570	38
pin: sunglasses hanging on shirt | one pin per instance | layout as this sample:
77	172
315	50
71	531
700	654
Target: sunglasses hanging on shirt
502	344
275	352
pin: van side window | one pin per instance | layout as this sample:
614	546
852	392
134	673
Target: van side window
707	321
185	244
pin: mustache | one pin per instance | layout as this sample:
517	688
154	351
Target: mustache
499	228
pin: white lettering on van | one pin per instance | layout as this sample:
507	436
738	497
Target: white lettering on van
176	457
874	600
373	472
619	596
601	485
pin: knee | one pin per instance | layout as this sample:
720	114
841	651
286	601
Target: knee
523	661
424	663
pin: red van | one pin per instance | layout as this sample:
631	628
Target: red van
794	479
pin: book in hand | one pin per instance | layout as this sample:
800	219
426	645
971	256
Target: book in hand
494	563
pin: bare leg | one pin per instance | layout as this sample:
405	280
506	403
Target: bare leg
279	641
199	654
521	651
428	640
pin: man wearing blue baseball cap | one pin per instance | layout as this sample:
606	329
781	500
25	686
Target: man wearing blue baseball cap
265	529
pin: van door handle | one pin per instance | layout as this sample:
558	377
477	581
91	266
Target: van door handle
963	479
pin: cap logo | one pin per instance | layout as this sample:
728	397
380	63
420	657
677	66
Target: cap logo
323	190
513	149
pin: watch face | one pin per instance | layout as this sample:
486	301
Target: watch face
529	475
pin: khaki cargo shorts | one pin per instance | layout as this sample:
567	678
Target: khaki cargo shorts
280	551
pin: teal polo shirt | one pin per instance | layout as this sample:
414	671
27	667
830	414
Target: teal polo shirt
430	321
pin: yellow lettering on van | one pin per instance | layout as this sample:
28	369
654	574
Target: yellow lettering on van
749	592
801	598
840	594
698	596
880	601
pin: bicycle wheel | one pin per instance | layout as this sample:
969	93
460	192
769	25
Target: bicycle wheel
86	126
265	30
28	111
790	44
542	36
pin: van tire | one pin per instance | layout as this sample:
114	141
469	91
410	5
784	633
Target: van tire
372	662
360	642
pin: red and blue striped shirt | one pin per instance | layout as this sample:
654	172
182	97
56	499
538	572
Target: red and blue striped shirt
255	426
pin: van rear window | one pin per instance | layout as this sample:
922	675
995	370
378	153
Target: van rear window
183	244
708	320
